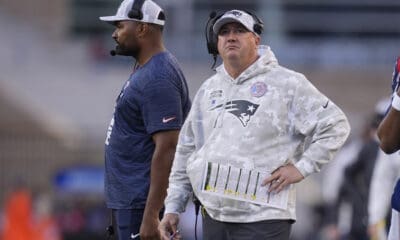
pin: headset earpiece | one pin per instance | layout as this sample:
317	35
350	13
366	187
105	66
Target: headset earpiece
258	28
211	37
259	24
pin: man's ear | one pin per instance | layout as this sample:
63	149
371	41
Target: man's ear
257	39
142	29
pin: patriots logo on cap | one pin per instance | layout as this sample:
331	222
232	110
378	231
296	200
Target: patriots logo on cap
242	109
236	13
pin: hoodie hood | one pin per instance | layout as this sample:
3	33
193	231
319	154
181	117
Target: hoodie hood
264	63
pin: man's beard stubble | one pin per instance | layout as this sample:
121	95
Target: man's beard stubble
123	51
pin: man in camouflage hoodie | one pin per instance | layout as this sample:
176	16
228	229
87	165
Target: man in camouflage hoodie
252	116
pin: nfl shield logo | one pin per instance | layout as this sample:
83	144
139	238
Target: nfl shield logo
258	89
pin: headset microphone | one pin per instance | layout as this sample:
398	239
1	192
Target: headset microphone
113	53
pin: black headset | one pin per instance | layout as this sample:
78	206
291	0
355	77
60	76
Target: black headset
212	38
136	11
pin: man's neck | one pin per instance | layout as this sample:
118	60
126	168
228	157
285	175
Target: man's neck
235	68
148	51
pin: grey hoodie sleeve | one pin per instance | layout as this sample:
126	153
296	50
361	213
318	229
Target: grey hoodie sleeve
321	122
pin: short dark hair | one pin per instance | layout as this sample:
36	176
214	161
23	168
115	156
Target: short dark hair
156	26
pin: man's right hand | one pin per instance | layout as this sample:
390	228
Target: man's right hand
169	226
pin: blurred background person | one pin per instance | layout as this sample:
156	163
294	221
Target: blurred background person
385	174
347	183
46	224
18	215
357	180
335	221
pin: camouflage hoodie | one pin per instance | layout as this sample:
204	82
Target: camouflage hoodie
265	118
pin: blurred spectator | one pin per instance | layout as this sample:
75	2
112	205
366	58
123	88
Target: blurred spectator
358	177
386	171
18	223
46	226
353	169
335	223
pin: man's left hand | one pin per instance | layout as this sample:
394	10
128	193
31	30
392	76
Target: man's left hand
282	177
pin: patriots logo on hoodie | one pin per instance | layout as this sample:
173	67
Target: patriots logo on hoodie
242	109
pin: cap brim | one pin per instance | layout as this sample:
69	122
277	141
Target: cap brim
224	21
113	19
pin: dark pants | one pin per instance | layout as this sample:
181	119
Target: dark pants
128	221
263	230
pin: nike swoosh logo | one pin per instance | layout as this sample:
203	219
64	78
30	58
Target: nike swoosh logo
326	105
165	120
